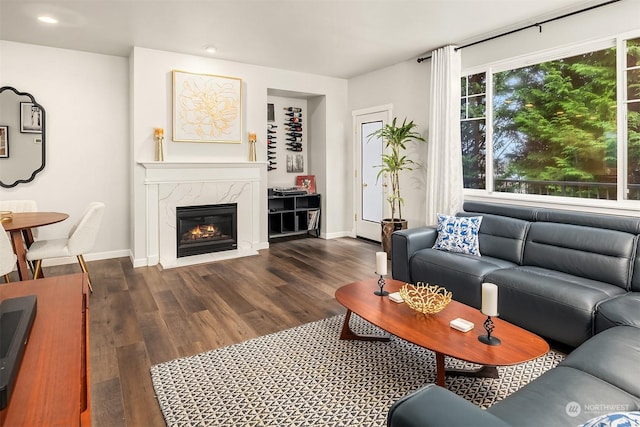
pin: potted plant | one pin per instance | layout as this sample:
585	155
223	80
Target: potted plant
395	136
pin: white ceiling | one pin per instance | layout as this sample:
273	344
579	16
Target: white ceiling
338	38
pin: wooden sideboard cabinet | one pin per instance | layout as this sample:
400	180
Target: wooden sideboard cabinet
52	385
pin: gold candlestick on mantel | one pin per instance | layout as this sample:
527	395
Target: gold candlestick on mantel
252	147
158	135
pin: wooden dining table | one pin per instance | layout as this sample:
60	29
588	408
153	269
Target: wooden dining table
20	226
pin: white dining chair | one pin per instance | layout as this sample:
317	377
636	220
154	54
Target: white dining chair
80	240
18	205
7	256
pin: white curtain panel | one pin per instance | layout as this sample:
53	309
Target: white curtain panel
444	161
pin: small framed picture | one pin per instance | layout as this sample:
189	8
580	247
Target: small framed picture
295	163
30	118
271	114
4	141
306	182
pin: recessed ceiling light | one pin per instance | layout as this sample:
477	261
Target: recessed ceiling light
210	49
47	19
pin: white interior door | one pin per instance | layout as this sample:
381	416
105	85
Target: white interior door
369	190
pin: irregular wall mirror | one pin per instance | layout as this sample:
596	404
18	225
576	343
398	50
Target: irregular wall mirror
22	137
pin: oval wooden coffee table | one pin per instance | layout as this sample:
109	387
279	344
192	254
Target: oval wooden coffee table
434	333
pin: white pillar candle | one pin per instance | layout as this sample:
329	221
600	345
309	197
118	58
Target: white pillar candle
381	263
489	299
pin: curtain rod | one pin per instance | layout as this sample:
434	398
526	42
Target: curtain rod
537	24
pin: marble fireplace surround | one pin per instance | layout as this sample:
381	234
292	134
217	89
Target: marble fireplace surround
172	184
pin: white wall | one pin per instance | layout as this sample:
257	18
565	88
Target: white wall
279	177
622	18
406	85
101	111
85	97
151	107
606	21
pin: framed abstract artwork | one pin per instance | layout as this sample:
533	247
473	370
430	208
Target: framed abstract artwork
206	108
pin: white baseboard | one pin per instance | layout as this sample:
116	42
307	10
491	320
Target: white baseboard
96	256
335	235
155	260
145	262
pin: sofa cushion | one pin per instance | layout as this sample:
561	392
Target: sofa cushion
621	310
635	277
436	406
562	396
550	303
459	273
615	419
525	213
502	237
592	253
456	234
611	356
628	224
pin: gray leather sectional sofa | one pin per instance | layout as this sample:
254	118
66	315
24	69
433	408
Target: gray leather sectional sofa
599	377
562	275
570	277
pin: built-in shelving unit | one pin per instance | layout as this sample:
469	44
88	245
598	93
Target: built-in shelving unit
295	214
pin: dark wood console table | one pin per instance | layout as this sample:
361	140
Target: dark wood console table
52	386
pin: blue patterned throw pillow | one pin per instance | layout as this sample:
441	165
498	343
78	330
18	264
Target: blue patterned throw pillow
458	234
615	419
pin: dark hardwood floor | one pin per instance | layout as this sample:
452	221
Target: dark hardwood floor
144	316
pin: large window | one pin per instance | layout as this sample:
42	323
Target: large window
632	79
473	130
554	127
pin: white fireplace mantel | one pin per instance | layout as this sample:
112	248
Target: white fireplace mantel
172	184
160	172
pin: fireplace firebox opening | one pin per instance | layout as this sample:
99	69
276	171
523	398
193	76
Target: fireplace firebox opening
206	228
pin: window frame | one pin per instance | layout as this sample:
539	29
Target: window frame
632	207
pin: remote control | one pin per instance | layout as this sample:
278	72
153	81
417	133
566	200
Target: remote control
461	324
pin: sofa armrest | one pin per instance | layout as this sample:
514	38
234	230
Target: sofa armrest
404	243
435	406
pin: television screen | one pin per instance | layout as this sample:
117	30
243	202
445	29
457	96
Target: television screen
16	320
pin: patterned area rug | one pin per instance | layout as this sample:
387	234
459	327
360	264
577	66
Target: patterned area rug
306	376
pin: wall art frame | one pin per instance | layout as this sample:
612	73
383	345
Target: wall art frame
4	142
206	108
295	163
306	182
30	118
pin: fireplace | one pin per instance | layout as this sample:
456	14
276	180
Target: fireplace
206	228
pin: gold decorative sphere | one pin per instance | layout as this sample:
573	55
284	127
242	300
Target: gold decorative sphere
425	298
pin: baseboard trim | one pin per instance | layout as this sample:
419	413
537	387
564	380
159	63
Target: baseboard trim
96	256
